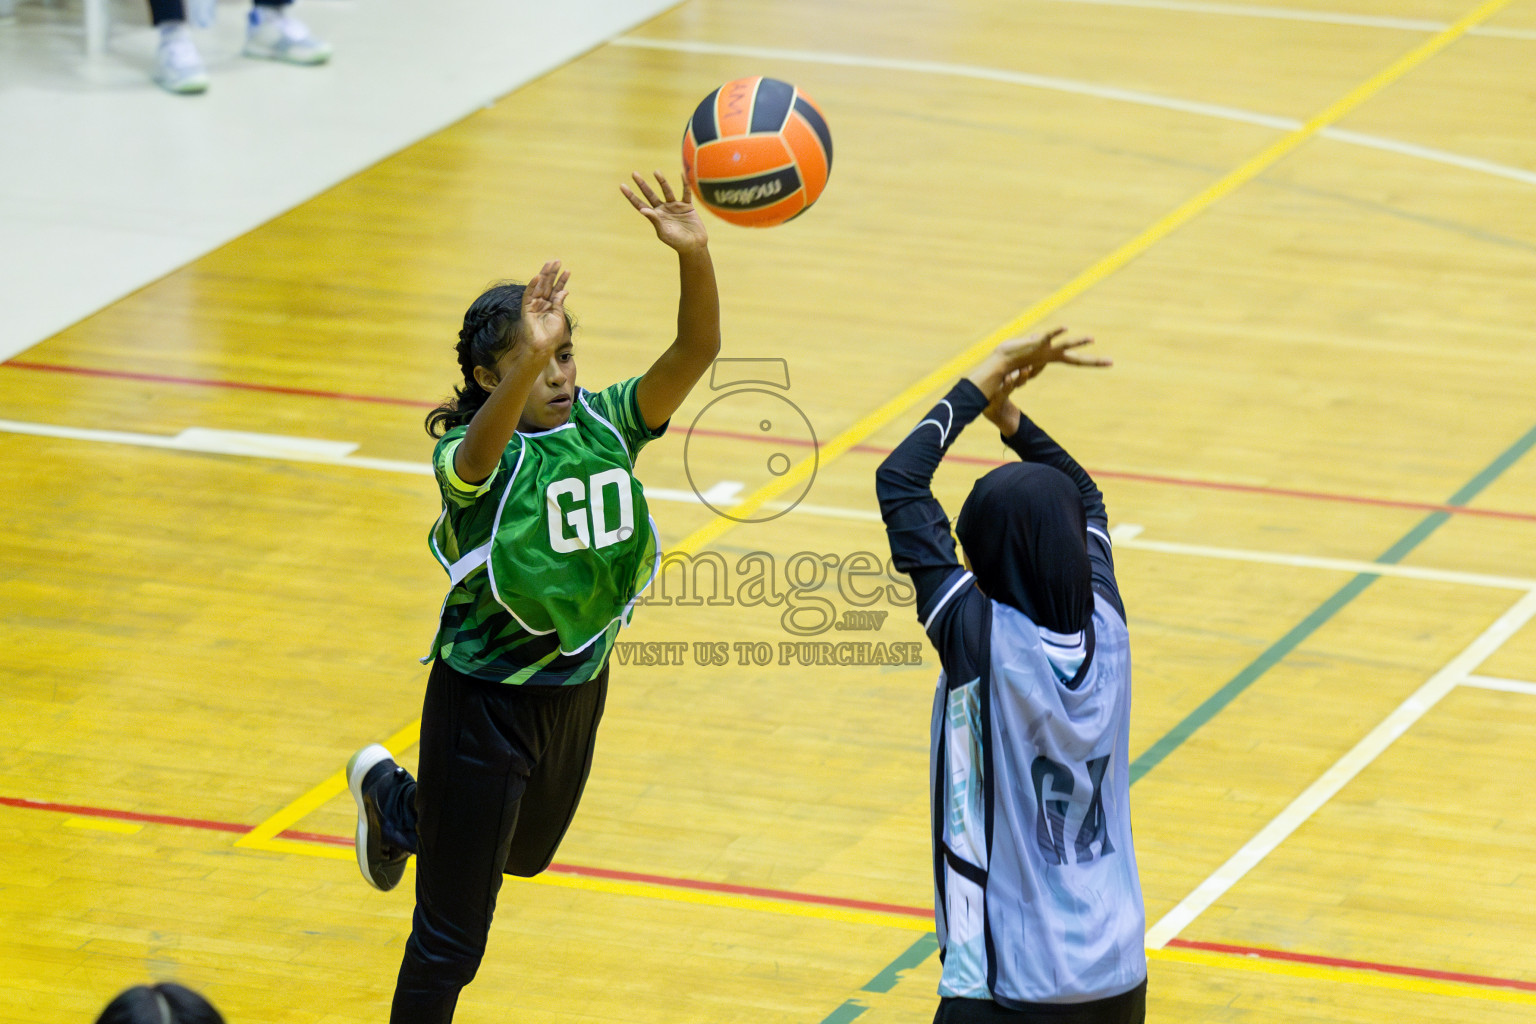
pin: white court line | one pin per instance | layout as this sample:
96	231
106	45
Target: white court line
225	442
339	453
1077	88
1348	565
929	67
1468	163
1319	17
1507	685
209	441
827	511
1346	768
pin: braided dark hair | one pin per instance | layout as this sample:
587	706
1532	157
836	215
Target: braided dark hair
487	333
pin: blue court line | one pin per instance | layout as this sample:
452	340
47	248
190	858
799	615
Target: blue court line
1215	703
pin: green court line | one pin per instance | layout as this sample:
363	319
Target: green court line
886	980
845	1013
853	1008
921	950
1213	705
925	947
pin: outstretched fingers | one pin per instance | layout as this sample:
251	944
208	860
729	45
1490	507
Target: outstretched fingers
634	200
1032	353
1063	353
531	289
676	221
666	187
645	189
648	211
547	288
647	195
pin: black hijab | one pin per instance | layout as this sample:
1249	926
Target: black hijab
1025	535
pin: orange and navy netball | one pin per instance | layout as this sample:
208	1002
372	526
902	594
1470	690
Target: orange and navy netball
757	152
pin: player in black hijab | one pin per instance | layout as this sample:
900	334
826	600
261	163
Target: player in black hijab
1038	904
1025	533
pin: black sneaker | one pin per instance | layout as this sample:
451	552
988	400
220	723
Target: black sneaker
381	864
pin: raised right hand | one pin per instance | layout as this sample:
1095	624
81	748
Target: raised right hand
541	317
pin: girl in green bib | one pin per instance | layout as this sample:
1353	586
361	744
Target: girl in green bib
547	542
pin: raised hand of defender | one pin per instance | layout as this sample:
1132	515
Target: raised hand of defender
1018	359
1015	361
1032	353
676	220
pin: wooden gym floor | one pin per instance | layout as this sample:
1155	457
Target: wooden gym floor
1305	234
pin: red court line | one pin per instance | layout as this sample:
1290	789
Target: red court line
1212	485
316	837
161	378
1358	965
561	869
1151	478
104	812
787	896
739	890
1284	492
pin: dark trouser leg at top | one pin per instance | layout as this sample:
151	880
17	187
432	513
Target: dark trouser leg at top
1126	1008
501	772
162	11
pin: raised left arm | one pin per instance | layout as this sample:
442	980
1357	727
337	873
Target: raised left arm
674	373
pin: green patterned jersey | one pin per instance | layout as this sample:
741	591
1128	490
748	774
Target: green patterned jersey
546	557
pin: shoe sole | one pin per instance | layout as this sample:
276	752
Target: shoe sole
285	59
357	770
191	88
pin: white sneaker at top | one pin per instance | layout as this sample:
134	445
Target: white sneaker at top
178	65
273	34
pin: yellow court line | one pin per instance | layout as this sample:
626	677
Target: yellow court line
126	828
265	835
845	915
959	364
302	846
645	890
1354	976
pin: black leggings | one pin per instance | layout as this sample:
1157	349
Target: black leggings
1126	1008
161	11
502	769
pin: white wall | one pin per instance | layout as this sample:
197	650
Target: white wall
108	183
